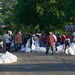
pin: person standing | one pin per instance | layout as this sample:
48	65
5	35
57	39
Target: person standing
62	37
73	37
15	43
50	43
22	36
67	35
41	41
7	39
18	40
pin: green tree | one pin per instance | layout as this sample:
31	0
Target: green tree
47	14
70	12
7	14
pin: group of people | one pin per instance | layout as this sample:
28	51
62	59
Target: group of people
39	40
16	40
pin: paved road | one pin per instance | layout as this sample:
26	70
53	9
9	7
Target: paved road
40	64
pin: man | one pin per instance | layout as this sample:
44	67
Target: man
22	36
18	40
57	35
68	36
73	37
7	39
41	41
66	44
50	43
62	37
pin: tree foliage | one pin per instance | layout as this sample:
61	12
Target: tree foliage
7	13
47	14
70	12
42	15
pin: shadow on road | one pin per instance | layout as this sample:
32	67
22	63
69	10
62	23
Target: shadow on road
37	67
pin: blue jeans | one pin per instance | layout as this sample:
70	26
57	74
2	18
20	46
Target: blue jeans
19	46
41	44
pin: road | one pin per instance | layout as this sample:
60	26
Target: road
39	64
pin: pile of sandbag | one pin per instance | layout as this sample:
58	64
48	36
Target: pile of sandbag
70	50
7	58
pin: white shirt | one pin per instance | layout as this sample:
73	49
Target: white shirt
7	38
55	37
38	34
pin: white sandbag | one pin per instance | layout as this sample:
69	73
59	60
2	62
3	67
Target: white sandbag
1	61
22	49
8	58
33	47
73	47
40	49
59	49
12	44
28	43
37	49
70	51
27	49
36	44
43	49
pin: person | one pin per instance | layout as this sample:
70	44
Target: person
50	43
23	36
33	43
39	33
73	37
18	40
57	35
41	41
12	42
67	35
7	39
30	39
62	37
25	40
15	43
66	44
58	42
45	41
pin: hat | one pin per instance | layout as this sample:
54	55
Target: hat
50	33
